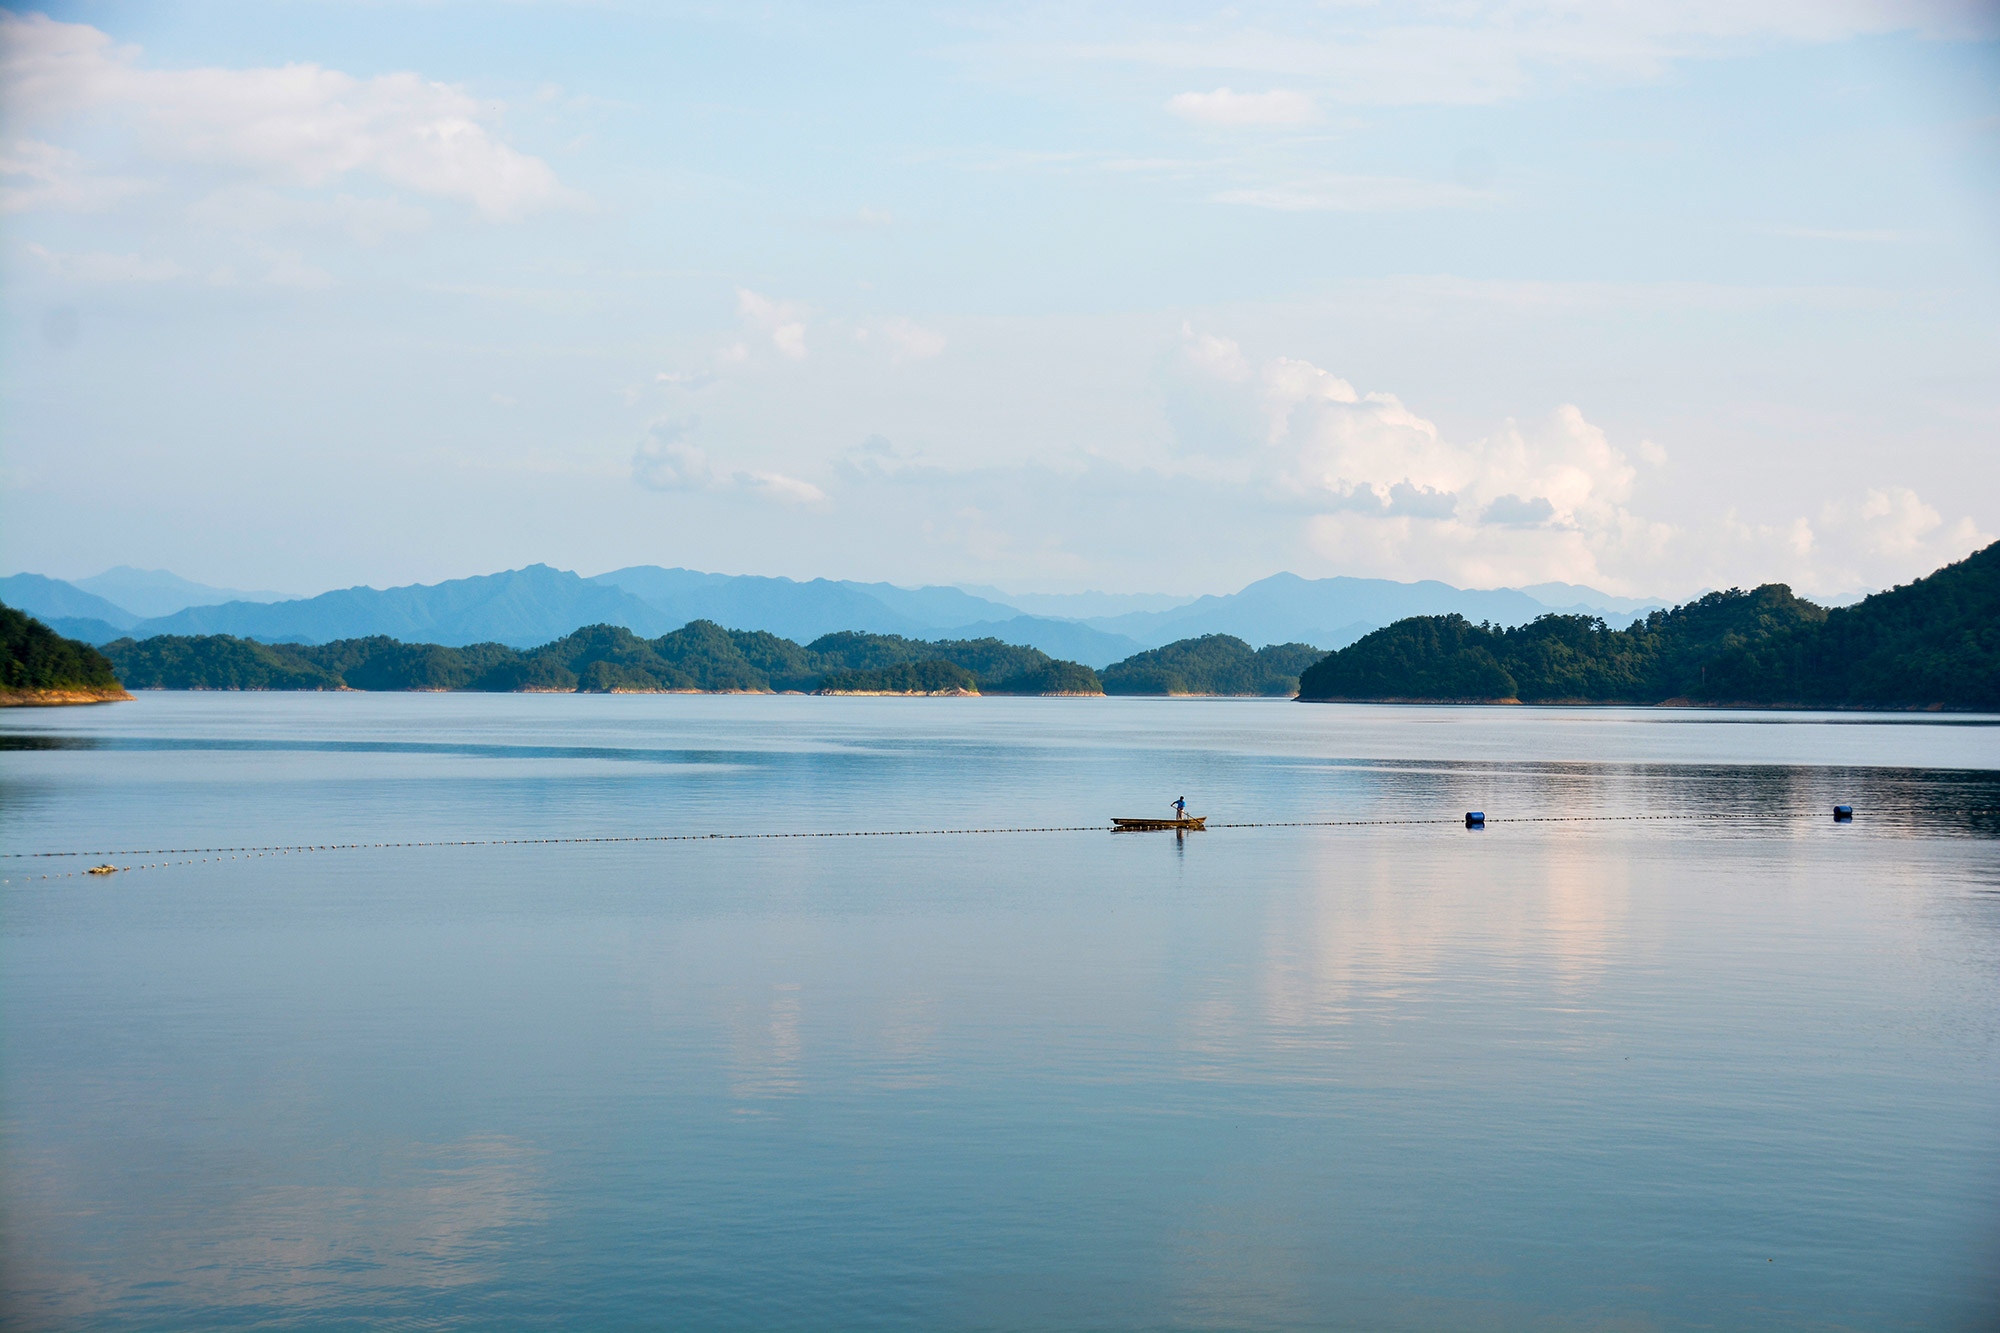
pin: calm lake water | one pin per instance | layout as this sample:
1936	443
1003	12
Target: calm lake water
1736	1069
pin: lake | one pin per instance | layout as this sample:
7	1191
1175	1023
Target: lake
1731	1065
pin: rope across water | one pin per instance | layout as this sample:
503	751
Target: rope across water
204	855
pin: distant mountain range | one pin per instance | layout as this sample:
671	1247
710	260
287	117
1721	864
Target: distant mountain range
523	608
52	600
156	592
1327	613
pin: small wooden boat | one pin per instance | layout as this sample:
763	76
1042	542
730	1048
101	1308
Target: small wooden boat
1149	825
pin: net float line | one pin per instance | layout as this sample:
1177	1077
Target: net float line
286	848
212	855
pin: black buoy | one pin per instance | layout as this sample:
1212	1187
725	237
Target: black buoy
1843	813
1475	819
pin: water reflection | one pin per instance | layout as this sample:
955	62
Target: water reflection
765	1046
246	1240
1548	1074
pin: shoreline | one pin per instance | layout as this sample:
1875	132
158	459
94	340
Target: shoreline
1737	705
60	698
81	697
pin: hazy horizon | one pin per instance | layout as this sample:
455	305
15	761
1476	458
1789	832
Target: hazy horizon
991	591
1135	299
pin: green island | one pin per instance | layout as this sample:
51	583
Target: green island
42	667
1933	643
1213	664
700	657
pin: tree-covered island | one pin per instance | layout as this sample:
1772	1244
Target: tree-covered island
700	657
40	666
1213	664
1934	643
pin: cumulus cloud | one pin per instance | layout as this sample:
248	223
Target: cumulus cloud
1884	536
1218	358
44	177
301	124
782	321
667	460
1383	491
779	487
1424	501
1894	522
1515	512
1232	109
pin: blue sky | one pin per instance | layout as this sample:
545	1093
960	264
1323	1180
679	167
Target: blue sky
1654	297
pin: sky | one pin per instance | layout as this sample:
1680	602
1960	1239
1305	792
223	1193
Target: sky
1654	297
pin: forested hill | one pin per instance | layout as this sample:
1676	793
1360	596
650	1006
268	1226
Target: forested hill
700	656
1212	664
1931	643
39	666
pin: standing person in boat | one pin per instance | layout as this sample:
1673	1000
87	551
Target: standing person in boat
1180	807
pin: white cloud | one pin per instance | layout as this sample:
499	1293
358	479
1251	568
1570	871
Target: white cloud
1515	512
777	486
912	340
1218	358
97	266
668	461
45	178
790	339
1232	109
1894	522
665	461
1384	492
1886	536
782	321
300	124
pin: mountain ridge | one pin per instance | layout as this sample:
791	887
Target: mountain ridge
539	603
149	593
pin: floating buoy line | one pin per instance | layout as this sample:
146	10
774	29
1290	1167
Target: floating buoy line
211	855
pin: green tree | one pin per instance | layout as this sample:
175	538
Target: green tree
38	658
